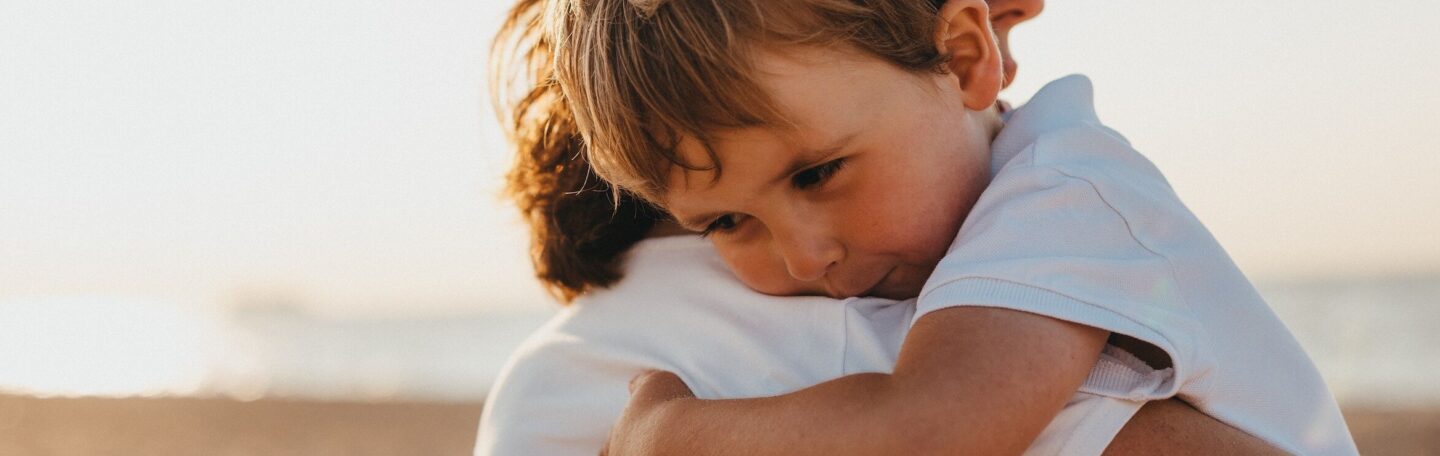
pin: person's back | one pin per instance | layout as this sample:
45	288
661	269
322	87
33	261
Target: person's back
679	309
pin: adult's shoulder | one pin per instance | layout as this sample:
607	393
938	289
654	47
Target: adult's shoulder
677	309
680	308
563	387
678	280
556	395
615	329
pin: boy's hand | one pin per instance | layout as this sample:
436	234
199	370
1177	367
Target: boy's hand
653	394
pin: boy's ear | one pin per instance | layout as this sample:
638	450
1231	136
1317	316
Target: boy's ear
964	34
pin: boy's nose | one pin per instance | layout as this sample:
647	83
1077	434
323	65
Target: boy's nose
809	255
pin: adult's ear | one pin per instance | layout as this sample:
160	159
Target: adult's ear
964	34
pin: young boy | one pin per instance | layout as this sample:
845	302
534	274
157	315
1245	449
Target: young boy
812	137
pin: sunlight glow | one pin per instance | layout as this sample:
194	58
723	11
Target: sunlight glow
104	346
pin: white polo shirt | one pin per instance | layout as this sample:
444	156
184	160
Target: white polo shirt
1037	241
680	309
1079	226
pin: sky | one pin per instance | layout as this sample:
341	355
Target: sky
341	156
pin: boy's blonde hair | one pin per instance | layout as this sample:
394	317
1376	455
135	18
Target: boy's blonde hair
638	75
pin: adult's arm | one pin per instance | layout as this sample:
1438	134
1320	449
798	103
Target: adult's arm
1173	427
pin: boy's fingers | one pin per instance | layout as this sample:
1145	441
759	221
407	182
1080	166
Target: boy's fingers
658	386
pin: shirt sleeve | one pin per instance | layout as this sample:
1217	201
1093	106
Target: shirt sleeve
1044	239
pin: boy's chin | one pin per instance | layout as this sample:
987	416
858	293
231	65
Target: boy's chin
898	285
896	295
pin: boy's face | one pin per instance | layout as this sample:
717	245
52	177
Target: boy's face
864	196
861	198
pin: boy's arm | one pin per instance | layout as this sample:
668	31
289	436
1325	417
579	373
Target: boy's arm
868	414
978	379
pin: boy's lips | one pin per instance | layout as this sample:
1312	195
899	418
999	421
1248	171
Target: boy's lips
879	284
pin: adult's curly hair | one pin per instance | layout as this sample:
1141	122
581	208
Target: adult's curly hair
579	229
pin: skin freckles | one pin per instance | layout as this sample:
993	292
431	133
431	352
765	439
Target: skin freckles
861	195
912	161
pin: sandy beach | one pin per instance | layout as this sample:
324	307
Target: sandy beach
188	426
222	427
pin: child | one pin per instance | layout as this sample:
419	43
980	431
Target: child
562	391
849	165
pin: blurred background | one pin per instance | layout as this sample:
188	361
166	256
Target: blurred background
274	227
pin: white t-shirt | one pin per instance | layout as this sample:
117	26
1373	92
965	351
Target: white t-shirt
1036	241
680	309
1079	226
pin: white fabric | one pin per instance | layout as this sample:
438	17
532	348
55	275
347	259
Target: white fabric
680	309
1076	225
1079	226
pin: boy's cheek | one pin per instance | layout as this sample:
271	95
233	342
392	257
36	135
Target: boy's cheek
763	271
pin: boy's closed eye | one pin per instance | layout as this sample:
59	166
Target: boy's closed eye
723	224
807	179
816	175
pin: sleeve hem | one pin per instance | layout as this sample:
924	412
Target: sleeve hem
1116	374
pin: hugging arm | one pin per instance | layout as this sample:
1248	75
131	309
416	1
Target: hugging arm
970	380
982	380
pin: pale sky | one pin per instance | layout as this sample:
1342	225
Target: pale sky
342	155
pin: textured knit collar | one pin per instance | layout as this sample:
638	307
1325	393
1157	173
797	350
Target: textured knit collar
1063	103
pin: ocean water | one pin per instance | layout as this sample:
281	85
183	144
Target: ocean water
1377	342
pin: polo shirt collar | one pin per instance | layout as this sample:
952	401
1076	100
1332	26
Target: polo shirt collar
1063	103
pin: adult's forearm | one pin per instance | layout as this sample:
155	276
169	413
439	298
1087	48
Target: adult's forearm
1173	427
